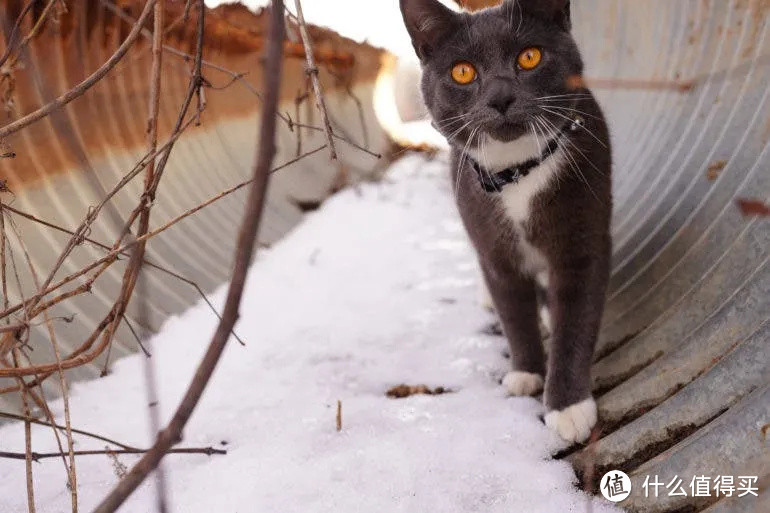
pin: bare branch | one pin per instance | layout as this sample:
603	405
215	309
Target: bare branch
244	251
105	247
312	71
72	474
27	442
152	139
37	456
12	36
86	84
112	255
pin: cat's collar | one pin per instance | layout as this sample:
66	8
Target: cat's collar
494	182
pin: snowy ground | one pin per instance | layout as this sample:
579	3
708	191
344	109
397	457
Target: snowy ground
373	290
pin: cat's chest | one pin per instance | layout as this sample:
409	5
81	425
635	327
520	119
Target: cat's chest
515	204
516	199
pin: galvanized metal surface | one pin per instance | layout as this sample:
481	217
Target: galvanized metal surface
683	364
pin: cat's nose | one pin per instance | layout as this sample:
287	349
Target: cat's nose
501	101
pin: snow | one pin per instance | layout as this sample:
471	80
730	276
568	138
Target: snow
377	288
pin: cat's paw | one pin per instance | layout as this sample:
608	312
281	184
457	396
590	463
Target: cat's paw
574	423
522	383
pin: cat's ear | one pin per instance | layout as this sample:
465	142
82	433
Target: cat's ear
554	11
428	22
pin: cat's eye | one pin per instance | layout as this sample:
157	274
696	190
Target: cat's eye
463	73
529	58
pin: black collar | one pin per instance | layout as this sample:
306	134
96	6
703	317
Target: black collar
494	182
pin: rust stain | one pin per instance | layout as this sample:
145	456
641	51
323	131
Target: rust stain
753	208
575	82
111	117
715	169
766	132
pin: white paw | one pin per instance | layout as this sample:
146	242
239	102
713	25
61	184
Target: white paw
574	423
522	383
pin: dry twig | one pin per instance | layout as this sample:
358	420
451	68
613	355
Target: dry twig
72	475
100	245
86	84
37	456
77	357
244	251
144	220
312	71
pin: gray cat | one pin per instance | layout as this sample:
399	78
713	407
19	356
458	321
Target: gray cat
531	165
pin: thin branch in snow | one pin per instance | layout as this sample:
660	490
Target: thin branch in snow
72	475
136	337
37	456
89	434
27	441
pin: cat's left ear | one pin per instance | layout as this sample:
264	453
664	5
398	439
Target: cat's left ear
554	11
428	23
563	14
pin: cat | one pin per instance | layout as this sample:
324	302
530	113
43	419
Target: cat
531	168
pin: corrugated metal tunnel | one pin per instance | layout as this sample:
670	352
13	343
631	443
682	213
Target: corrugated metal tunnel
683	364
684	357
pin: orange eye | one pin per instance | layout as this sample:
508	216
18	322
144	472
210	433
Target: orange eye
529	58
463	73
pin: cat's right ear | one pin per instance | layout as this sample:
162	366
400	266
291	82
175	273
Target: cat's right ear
428	22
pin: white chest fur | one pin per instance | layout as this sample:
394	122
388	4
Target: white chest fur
516	199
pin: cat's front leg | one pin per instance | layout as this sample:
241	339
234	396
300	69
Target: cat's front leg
576	298
513	295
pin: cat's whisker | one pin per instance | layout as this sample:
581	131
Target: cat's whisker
585	157
454	128
450	118
465	153
521	17
452	122
551	164
557	176
461	161
568	95
534	133
572	121
574	166
486	161
457	132
576	111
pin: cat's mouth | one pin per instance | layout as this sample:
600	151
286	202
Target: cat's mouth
507	131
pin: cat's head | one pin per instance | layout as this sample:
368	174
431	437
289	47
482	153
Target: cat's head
494	70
